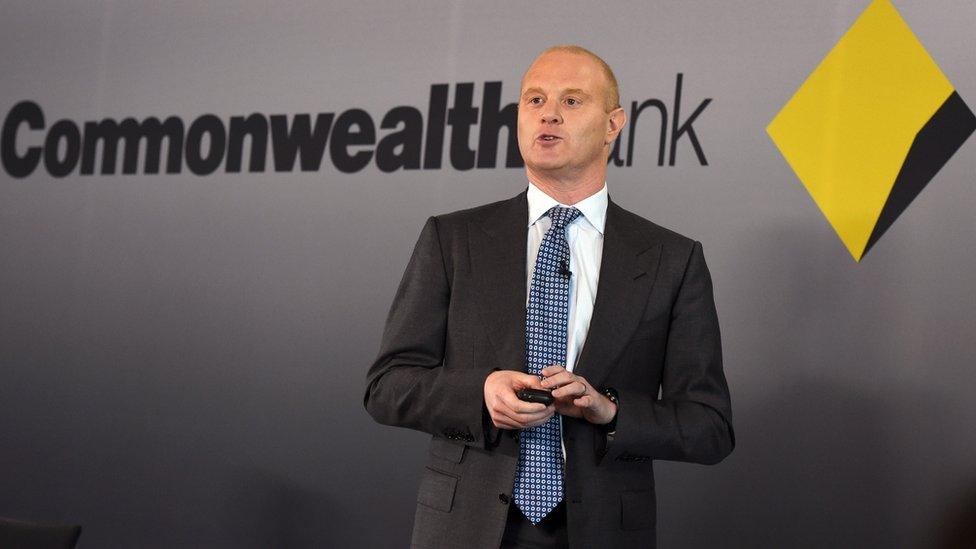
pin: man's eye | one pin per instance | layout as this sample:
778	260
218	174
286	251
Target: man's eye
535	101
572	101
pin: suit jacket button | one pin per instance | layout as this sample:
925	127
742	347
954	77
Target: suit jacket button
503	498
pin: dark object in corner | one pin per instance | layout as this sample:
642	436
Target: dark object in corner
18	534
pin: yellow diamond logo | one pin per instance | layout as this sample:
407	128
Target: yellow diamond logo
871	126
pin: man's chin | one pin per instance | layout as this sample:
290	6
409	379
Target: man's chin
546	167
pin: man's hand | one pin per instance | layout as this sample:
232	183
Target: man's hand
575	397
507	411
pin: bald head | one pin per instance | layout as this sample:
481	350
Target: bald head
612	91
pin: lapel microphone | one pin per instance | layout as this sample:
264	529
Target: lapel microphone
564	269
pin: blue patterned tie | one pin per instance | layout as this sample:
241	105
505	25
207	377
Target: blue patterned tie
539	478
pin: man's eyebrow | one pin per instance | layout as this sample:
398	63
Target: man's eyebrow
570	91
575	91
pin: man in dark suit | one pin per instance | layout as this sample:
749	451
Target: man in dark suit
558	289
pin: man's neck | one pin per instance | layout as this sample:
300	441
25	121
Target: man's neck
568	191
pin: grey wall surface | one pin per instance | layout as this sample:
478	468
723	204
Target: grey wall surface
182	357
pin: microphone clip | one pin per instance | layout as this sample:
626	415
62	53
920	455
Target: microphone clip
564	269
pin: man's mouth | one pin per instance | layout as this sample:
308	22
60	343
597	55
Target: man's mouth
547	137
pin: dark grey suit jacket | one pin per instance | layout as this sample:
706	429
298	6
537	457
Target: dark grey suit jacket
459	314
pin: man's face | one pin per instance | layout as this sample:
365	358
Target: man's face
563	125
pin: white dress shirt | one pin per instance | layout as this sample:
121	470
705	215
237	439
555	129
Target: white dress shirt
585	238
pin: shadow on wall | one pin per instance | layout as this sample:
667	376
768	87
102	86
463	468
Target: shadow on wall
18	534
809	471
814	461
841	442
956	526
271	511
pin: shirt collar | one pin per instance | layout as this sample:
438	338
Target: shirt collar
593	207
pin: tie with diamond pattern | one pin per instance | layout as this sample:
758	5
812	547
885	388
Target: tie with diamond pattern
539	478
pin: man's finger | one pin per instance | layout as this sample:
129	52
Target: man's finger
504	423
535	421
585	401
564	379
529	381
519	410
522	421
552	370
507	416
522	407
538	419
574	389
558	380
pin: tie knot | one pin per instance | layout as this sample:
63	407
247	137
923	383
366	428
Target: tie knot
561	217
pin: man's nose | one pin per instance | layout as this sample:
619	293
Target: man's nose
551	116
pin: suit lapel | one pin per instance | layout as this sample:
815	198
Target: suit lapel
498	250
627	272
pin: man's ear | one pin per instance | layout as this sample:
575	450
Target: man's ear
617	120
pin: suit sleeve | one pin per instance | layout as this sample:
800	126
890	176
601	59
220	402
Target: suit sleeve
692	419
408	385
